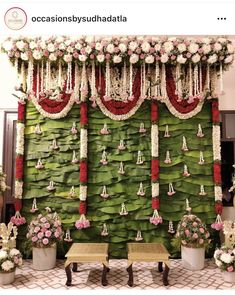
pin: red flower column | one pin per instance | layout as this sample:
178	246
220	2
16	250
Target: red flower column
18	219
216	156
155	219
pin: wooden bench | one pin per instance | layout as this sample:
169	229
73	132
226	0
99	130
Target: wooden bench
87	252
148	252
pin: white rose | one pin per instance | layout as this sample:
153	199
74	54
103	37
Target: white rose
222	40
32	45
117	59
218	263
67	42
62	46
51	47
181	47
98	46
140	38
52	57
24	56
82	57
216	253
168	46
110	48
83	193
164	58
206	40
181	59
7	45
78	46
3	254
145	47
14	252
217	46
226	258
230	48
59	39
7	265
68	58
89	39
37	54
134	58
122	47
228	59
88	49
193	48
157	47
212	59
100	58
43	44
70	49
155	39
172	39
149	59
206	48
196	58
133	45
20	44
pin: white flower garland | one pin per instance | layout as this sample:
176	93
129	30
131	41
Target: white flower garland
83	193
18	189
216	143
154	140
155	189
83	143
218	193
20	138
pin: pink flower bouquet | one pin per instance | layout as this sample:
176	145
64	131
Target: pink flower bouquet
45	230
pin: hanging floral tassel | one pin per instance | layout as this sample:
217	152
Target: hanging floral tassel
75	160
188	208
17	219
156	218
184	145
104	130
51	186
141	191
131	96
139	158
72	193
107	96
104	160
121	146
190	98
68	236
202	190
104	231
142	129
93	86
167	159
82	222
54	145
157	81
163	82
123	210
37	129
218	224
34	206
221	79
124	83
84	84
69	78
171	190
171	228
167	134
201	159
139	236
38	92
39	165
74	130
121	168
178	91
199	132
186	173
104	193
208	77
77	81
143	81
30	76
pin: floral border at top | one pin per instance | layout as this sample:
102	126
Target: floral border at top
133	49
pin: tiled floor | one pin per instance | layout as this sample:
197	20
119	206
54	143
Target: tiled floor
145	277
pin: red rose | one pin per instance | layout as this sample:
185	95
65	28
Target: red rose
83	114
217	173
215	112
18	204
82	208
154	112
83	171
155	169
155	203
218	208
19	167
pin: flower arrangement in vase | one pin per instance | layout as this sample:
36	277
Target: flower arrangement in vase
225	260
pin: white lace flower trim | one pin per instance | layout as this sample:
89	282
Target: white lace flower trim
83	144
20	138
155	189
154	140
83	193
18	189
216	143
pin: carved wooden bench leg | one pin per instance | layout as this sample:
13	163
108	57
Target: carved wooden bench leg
69	275
165	275
104	273
130	272
160	268
75	267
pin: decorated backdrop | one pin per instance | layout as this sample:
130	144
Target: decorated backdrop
118	135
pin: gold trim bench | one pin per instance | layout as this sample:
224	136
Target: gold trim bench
148	252
87	252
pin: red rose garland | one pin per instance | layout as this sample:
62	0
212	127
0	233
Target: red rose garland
155	169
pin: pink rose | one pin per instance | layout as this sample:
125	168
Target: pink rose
34	239
195	224
188	55
138	50
45	241
44	229
40	235
195	236
47	225
184	224
56	234
48	233
43	219
37	229
201	241
201	230
173	57
187	232
230	268
75	55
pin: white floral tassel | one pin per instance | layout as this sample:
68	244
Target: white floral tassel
141	191
34	206
190	81
59	84
201	158
123	210
22	76
131	96
184	145
121	168
156	218
30	76
186	173
171	190
75	160
54	145
195	81
221	79
37	129
199	131
139	236
143	81
167	133
74	130
48	76
77	81
51	186
142	129
72	193
171	228
42	78
69	78
208	77
84	85
163	82
39	165
200	79
202	190
124	84
168	158
68	236
121	146
104	160
104	130
188	208
178	81
104	193
93	81
157	81
139	158
104	231
38	83
107	96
